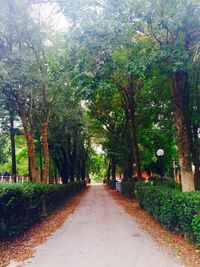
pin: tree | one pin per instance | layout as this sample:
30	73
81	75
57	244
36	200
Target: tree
177	41
24	77
68	143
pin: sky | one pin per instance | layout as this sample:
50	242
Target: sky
51	15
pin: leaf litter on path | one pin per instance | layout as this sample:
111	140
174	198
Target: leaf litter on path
177	244
23	247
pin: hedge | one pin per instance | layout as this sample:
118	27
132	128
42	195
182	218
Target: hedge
111	183
22	205
174	209
128	189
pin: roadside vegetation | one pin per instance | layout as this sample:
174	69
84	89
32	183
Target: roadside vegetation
97	100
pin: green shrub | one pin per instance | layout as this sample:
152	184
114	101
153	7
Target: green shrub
111	183
128	189
171	207
168	183
196	228
22	205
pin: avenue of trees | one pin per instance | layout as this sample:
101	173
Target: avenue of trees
125	76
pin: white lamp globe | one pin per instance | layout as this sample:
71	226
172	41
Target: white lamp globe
160	152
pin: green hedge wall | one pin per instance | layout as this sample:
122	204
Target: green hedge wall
128	189
111	183
22	205
174	209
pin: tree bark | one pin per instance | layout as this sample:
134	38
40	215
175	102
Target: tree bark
41	163
45	128
131	110
46	151
32	158
127	162
113	168
196	158
108	171
29	170
12	141
128	104
195	128
177	82
29	136
55	174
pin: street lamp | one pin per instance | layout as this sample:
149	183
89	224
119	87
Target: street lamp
160	153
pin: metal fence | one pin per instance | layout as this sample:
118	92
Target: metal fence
10	179
24	179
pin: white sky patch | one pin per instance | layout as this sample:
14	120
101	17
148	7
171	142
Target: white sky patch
51	15
98	148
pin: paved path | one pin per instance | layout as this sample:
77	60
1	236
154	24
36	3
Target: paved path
100	234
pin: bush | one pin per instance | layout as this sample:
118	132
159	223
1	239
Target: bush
111	183
166	182
172	208
22	205
196	228
128	189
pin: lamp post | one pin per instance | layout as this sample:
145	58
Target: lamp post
160	153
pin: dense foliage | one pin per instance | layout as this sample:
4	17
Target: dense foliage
111	183
124	76
128	189
174	209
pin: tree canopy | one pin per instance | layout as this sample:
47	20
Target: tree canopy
123	76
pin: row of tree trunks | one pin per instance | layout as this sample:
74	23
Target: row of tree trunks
70	160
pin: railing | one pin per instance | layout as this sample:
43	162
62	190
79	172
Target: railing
10	179
57	180
25	179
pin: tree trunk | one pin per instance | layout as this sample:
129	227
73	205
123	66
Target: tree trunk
83	171
196	158
12	141
72	157
195	128
78	168
113	168
131	110
46	151
32	158
29	170
41	163
55	174
61	161
108	171
135	148
177	87
28	132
